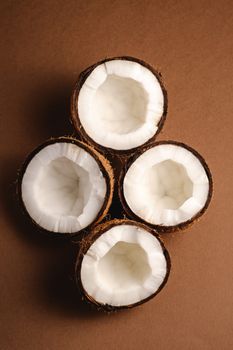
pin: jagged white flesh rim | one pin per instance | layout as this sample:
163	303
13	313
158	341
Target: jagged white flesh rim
120	104
166	185
63	188
124	266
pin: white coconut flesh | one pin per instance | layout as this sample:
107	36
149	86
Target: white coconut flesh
125	265
167	185
120	104
63	188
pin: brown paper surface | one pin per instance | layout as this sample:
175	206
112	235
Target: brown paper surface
44	46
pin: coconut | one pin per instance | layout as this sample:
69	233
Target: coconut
167	185
119	104
121	264
65	186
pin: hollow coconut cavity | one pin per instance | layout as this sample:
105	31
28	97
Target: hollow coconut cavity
168	185
124	265
119	103
65	186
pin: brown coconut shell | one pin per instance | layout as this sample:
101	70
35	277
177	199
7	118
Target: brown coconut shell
104	166
163	228
75	120
90	239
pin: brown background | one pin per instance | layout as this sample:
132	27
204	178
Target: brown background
44	46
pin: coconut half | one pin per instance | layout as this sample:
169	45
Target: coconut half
168	185
65	186
123	264
119	103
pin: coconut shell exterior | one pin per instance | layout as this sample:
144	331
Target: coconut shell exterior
75	95
86	243
104	166
163	228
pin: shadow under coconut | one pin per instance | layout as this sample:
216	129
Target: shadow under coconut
60	292
62	295
116	210
49	106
